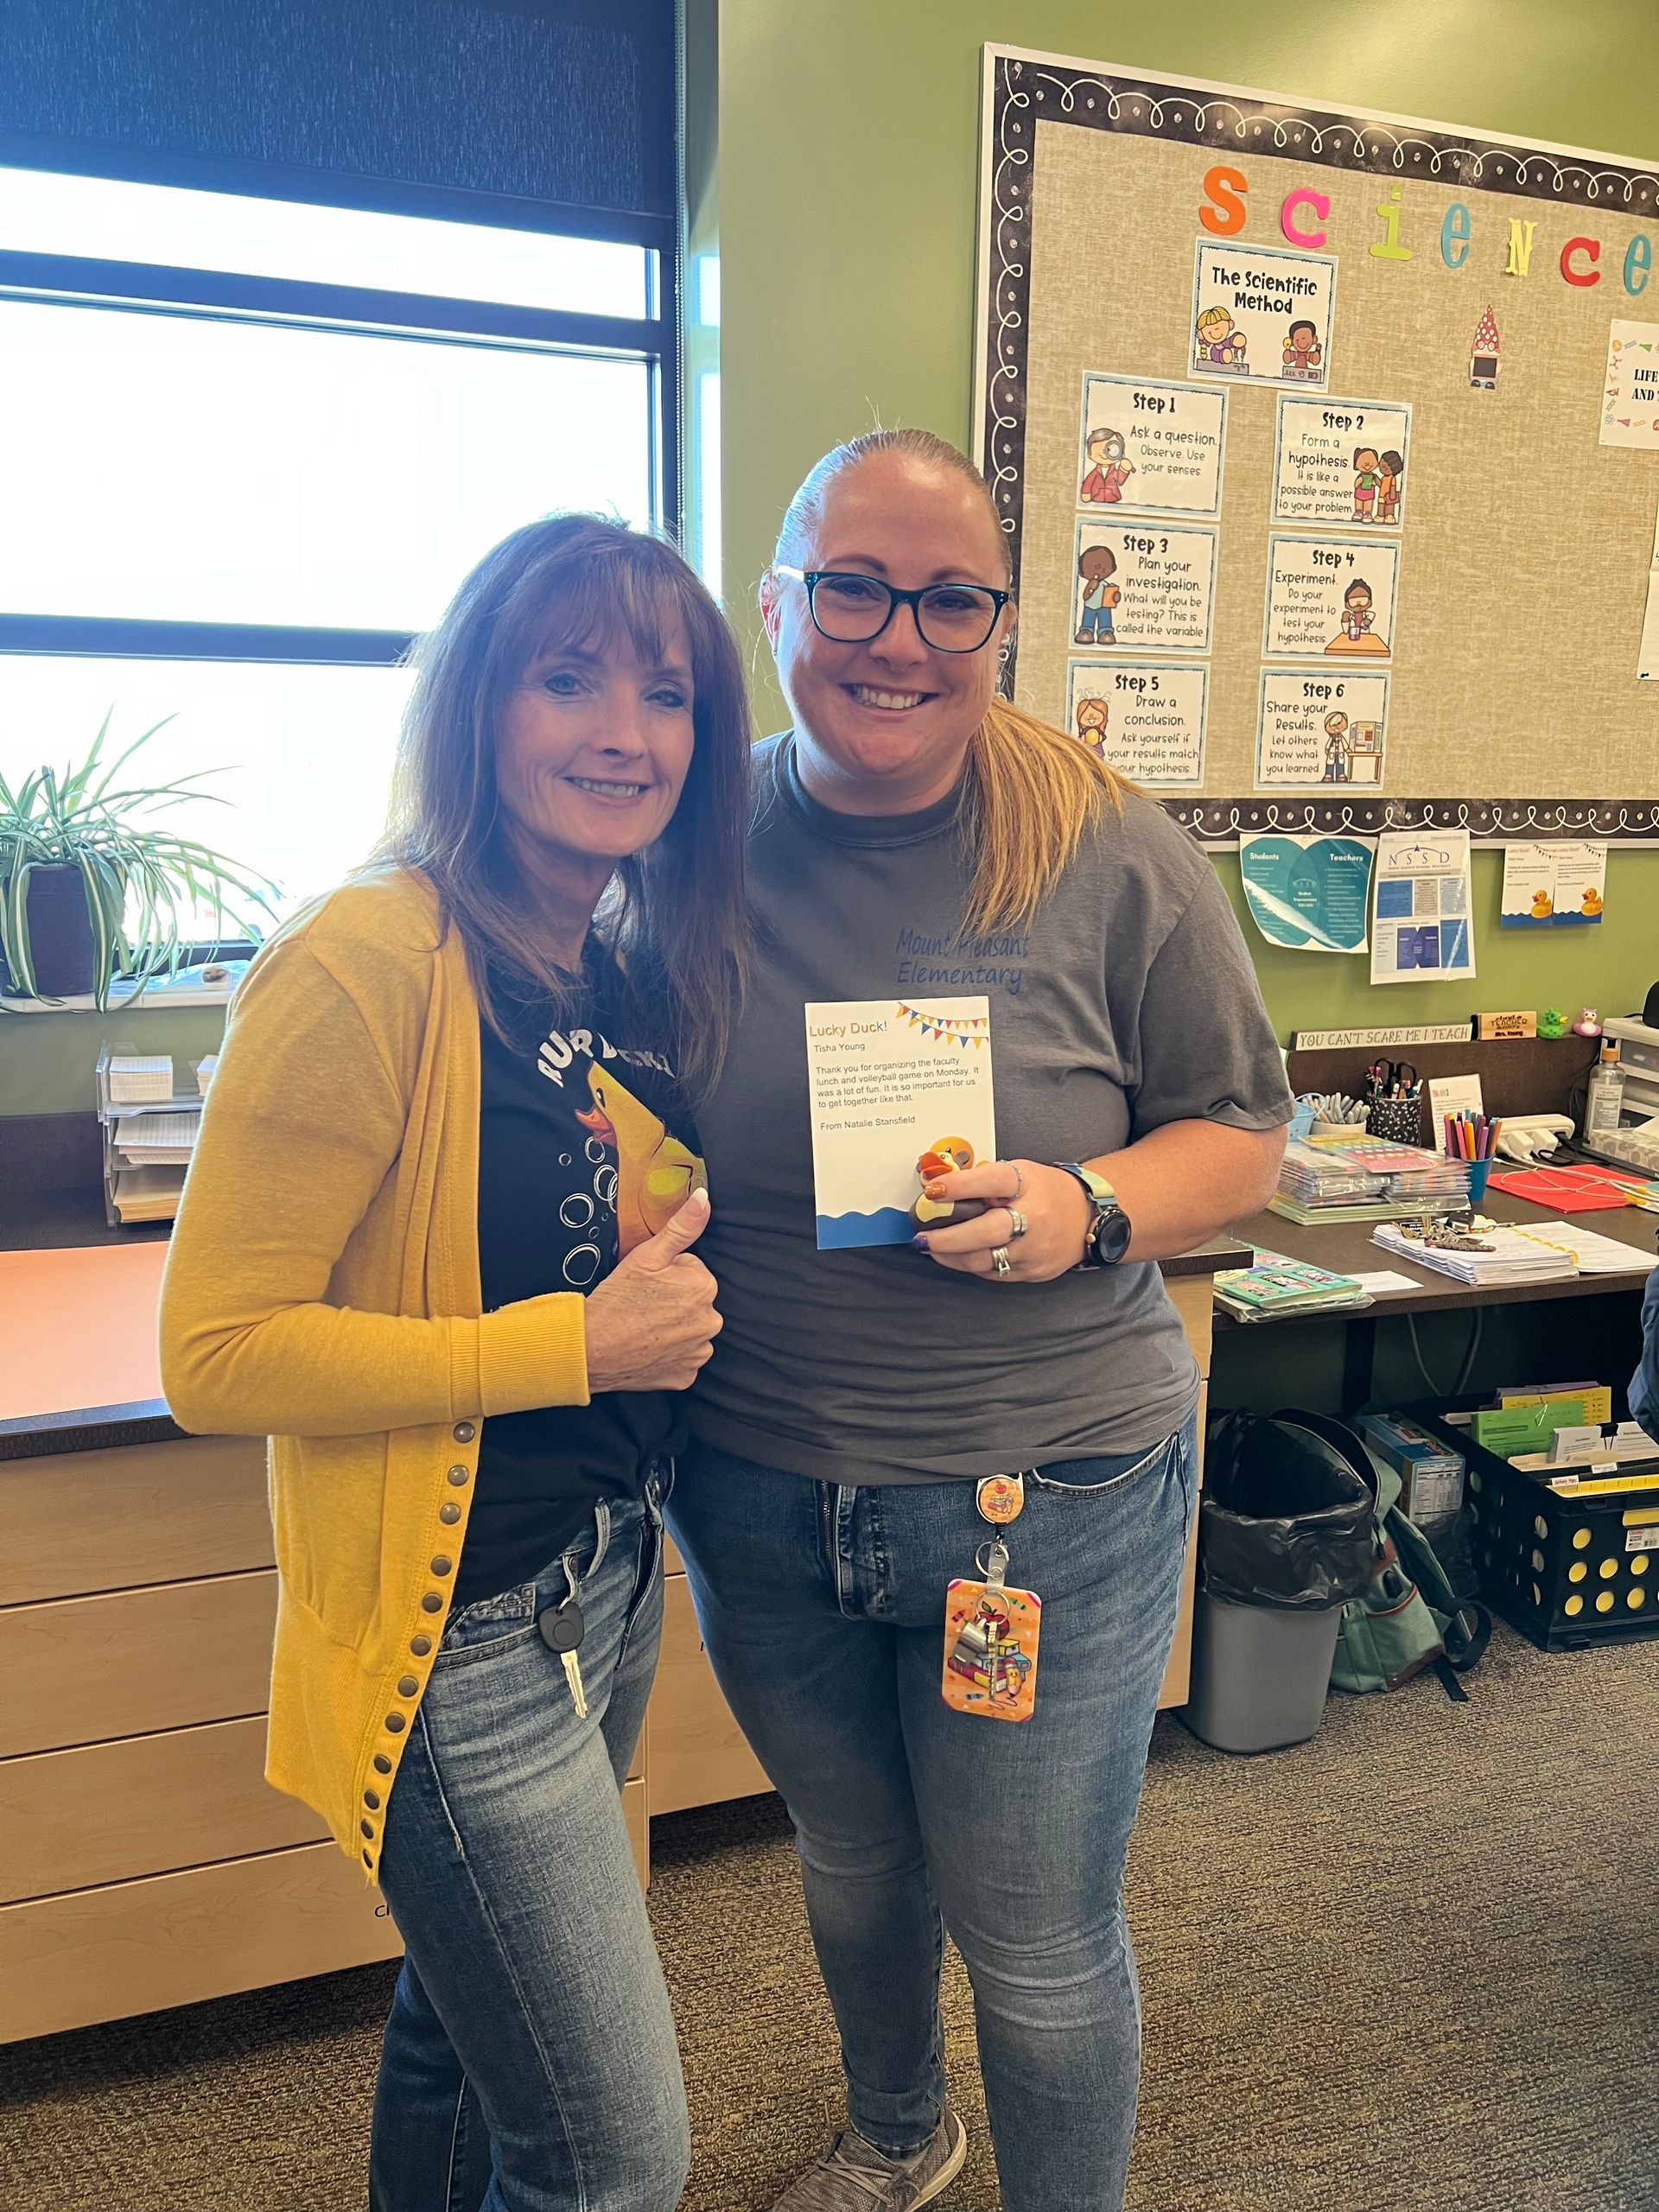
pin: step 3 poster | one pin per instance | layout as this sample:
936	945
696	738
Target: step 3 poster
1420	928
889	1080
1563	884
1314	731
1144	719
1331	599
1338	460
1151	446
1262	315
1148	586
1310	894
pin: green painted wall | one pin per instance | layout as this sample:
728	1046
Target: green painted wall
845	154
849	175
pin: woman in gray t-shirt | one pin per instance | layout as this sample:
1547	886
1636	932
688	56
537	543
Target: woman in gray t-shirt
908	1461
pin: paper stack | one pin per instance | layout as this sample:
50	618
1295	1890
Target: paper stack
1592	1254
1513	1257
1365	1180
1274	1286
156	1140
135	1080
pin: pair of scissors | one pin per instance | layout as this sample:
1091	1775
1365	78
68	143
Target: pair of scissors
1391	1078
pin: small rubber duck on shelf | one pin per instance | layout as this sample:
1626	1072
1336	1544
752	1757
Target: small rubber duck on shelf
1587	1024
942	1157
1552	1022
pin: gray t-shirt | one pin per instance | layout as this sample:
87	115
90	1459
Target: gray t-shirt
1127	1001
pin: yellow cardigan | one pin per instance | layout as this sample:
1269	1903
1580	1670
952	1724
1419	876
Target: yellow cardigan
322	1289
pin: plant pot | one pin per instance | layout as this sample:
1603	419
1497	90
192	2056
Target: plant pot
60	933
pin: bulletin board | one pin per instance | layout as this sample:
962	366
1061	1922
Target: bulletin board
1327	447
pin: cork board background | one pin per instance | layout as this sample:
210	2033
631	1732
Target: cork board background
1514	701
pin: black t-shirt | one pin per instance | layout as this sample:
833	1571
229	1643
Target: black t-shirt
585	1148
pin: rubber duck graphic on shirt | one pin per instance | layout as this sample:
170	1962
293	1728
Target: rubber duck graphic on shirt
655	1172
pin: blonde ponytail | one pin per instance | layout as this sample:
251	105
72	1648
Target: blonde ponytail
1033	794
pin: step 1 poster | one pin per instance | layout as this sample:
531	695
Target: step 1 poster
1310	894
1420	926
1338	460
1261	315
1148	586
1146	720
1560	884
889	1080
1149	446
1331	599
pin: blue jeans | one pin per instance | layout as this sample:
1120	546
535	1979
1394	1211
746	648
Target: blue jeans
529	2063
822	1608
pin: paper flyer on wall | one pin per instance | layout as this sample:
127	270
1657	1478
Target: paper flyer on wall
1308	894
1647	659
1561	884
889	1080
1421	931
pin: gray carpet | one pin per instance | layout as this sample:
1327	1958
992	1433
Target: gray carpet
1411	1966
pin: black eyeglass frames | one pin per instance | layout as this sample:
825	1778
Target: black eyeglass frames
854	610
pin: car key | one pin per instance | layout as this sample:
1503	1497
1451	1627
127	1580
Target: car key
562	1629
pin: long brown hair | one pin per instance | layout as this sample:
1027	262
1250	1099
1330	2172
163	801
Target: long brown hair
675	914
1031	791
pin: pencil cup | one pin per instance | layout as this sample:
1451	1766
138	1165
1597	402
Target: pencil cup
1479	1172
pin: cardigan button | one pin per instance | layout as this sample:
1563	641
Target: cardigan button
433	1602
407	1687
367	1827
420	1645
368	1861
465	1432
441	1565
396	1722
459	1475
449	1513
371	1799
382	1763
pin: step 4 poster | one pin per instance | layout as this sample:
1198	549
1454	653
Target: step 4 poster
1315	731
1150	445
1144	719
889	1080
1262	315
1148	586
1339	461
1420	928
1331	599
1310	894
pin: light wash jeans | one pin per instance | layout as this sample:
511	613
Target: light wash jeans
529	2063
822	1608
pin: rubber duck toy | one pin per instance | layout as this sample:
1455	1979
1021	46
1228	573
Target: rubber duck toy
1591	902
1543	905
655	1172
1552	1022
1587	1025
942	1157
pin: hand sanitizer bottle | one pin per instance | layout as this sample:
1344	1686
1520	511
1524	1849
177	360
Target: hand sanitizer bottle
1604	1100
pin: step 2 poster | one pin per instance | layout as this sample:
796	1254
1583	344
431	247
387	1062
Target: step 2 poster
1420	926
1261	315
1338	460
1148	586
1150	446
1310	894
889	1080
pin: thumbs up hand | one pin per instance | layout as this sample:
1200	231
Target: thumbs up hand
651	1323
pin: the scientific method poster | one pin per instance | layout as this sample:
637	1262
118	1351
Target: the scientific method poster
1421	931
1310	894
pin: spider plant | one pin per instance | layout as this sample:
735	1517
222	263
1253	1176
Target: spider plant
143	881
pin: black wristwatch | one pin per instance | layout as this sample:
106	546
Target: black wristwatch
1108	1232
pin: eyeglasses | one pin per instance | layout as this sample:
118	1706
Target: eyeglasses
854	610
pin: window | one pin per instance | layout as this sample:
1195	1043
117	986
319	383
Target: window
256	444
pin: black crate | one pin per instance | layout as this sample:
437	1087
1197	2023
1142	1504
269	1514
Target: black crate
1567	1567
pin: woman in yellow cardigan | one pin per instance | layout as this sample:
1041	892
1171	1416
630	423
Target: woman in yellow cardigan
435	1244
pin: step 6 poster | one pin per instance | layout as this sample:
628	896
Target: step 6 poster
1319	730
889	1080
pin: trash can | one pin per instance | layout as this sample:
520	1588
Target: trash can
1286	1539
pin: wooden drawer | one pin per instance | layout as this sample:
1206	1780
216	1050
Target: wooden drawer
137	1947
639	1821
84	1521
1177	1674
90	1670
1194	1299
112	1812
698	1755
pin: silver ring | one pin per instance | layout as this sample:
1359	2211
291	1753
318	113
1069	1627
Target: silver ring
1019	1177
1001	1261
1018	1224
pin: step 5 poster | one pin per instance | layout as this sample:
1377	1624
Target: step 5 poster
1151	445
1420	929
1146	720
1341	461
1148	586
889	1080
1331	599
1310	894
1318	730
1262	315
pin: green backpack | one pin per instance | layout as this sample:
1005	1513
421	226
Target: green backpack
1408	1617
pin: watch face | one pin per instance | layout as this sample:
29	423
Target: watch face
1112	1235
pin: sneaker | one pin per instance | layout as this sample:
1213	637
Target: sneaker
852	2176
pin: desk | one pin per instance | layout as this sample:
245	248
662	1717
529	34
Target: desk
1348	1249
